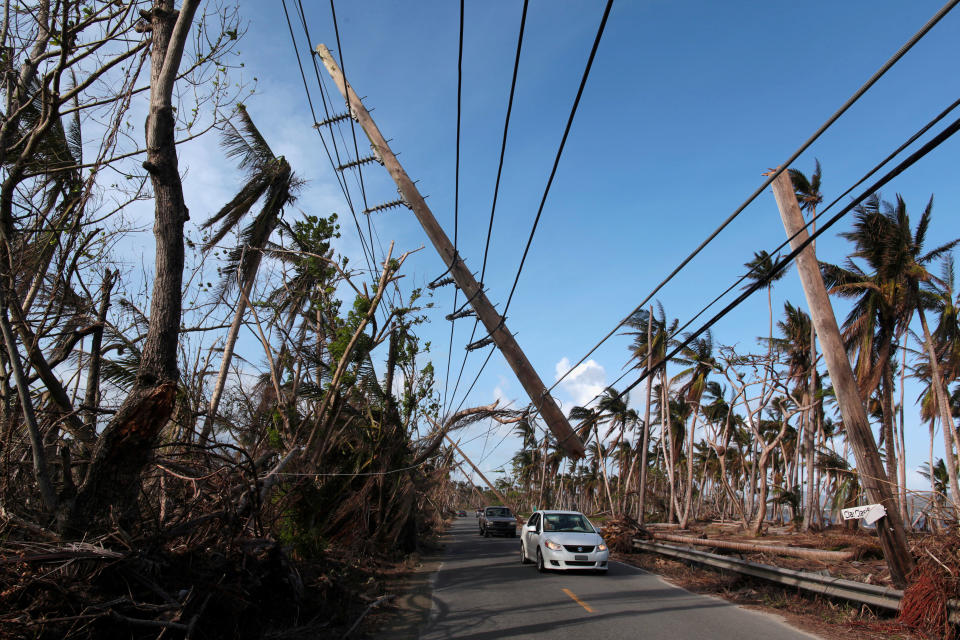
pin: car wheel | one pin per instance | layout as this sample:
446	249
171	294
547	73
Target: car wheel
540	567
523	555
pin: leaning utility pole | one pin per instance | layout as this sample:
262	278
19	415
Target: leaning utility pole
893	539
466	475
464	279
502	497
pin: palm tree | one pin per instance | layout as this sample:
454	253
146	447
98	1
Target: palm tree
652	338
589	419
939	482
886	298
762	270
270	180
698	355
617	413
795	345
945	343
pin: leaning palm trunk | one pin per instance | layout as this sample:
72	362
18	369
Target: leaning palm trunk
946	417
228	348
667	441
901	439
624	497
808	448
932	522
646	427
886	397
688	493
270	179
603	469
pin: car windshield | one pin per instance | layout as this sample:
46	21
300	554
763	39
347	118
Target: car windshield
573	522
499	512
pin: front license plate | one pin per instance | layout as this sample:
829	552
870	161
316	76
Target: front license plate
580	558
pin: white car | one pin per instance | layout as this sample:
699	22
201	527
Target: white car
561	540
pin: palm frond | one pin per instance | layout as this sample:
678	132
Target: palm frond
245	143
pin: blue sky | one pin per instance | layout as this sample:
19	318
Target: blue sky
686	106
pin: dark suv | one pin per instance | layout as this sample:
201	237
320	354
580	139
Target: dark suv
498	521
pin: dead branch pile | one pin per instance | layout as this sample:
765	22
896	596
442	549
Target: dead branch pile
933	583
248	588
620	532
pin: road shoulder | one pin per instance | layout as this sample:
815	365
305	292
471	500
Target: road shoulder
409	611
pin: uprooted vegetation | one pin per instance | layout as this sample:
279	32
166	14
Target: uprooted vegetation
156	479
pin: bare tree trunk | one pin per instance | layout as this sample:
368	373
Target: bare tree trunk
810	452
946	417
667	441
228	348
901	439
91	398
646	426
603	468
688	491
886	397
112	482
41	469
932	522
543	474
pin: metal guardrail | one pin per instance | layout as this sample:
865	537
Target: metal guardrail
874	595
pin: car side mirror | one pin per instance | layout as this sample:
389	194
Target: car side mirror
530	527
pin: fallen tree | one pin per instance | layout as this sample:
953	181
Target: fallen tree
750	547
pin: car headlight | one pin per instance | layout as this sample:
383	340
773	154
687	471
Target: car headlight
601	547
550	544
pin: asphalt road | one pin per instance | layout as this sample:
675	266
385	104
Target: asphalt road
481	591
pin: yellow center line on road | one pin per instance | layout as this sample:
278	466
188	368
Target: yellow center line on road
578	600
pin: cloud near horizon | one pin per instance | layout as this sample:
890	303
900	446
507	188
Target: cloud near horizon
584	383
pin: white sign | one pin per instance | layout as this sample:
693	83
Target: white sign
869	512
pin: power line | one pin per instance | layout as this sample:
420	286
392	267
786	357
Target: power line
556	163
807	225
496	188
563	142
369	254
456	200
783	263
340	181
846	105
503	144
353	129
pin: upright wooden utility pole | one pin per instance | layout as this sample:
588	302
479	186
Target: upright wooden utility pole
462	276
893	539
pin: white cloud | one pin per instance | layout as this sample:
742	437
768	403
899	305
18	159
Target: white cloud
584	383
500	392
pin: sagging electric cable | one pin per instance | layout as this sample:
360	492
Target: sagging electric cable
786	260
946	8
